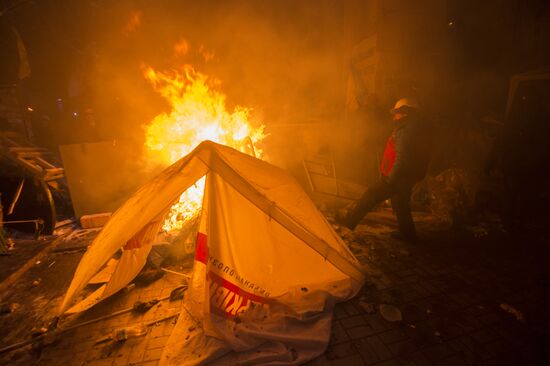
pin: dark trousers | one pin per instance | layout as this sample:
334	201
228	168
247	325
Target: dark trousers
400	195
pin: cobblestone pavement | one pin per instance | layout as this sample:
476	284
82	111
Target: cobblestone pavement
80	346
452	289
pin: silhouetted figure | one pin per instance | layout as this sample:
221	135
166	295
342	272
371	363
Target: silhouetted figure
405	162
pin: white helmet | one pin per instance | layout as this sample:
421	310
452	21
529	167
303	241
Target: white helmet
404	103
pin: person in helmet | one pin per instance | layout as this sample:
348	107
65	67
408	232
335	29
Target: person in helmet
405	162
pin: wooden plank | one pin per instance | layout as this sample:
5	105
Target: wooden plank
43	163
27	149
32	167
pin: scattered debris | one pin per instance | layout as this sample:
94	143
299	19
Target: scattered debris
48	336
81	234
51	264
345	233
515	312
122	334
437	334
477	231
178	292
77	248
174	272
36	282
390	313
129	288
95	220
38	262
63	223
366	306
148	276
412	326
143	307
451	195
428	311
35	332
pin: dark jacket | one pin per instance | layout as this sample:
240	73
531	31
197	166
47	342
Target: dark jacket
413	149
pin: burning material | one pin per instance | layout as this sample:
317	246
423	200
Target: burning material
198	112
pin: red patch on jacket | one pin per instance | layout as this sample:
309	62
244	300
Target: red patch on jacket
389	156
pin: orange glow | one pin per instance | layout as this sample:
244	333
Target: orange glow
198	112
206	54
133	23
181	48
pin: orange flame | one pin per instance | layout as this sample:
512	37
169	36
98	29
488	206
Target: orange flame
198	112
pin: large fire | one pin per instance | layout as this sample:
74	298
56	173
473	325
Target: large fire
198	112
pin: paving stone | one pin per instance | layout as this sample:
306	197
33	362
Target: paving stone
377	323
402	347
338	334
438	352
157	342
455	360
419	359
319	361
122	359
430	289
169	327
483	336
152	354
388	363
354	360
340	312
94	354
366	351
340	351
353	321
360	332
156	330
147	363
136	354
350	309
379	348
78	358
394	335
100	362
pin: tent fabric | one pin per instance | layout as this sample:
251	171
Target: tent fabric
265	297
270	189
268	266
105	274
150	201
133	258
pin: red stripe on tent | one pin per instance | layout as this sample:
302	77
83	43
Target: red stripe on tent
201	249
236	289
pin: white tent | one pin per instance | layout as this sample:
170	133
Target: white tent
268	266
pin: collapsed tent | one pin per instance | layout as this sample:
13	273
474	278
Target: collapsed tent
268	266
